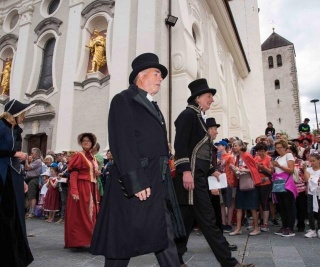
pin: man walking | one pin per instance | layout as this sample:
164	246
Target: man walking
193	157
134	218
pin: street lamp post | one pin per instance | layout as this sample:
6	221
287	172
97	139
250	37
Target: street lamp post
314	101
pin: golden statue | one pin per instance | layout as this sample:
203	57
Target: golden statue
5	81
97	47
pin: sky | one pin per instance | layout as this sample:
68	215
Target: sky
299	22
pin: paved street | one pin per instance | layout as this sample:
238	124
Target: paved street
265	250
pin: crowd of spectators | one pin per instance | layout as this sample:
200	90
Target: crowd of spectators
275	157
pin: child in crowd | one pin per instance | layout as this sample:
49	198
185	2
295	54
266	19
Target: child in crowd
52	202
312	175
45	179
228	196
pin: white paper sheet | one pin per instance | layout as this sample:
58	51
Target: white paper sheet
214	184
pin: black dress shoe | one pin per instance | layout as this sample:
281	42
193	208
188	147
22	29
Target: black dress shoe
245	265
233	247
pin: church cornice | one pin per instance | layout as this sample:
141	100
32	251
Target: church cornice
48	24
224	18
9	39
98	6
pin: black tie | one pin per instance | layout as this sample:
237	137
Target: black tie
156	107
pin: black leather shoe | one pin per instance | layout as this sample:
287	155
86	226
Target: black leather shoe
245	265
233	247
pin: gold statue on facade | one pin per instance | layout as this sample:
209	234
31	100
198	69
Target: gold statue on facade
97	47
5	79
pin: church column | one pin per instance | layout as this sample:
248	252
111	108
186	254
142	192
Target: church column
123	44
65	112
17	86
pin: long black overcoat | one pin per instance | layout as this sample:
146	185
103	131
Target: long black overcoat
126	226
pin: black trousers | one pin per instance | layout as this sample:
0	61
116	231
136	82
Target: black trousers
203	212
286	207
166	258
301	204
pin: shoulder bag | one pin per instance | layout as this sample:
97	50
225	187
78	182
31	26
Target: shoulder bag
245	181
279	186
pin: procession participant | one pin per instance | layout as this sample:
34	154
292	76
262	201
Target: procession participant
134	217
193	156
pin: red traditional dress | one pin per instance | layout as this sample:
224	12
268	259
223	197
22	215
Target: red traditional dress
52	202
81	215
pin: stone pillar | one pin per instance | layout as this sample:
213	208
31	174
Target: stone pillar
123	44
65	112
17	86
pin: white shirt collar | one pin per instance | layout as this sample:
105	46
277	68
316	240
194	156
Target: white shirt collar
150	97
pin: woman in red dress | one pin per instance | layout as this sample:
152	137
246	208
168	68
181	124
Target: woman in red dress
82	204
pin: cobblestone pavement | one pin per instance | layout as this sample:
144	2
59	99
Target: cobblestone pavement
266	250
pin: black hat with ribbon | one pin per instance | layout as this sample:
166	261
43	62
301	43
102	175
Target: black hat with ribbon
211	122
146	61
15	108
199	87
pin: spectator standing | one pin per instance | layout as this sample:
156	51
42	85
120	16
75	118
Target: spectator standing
316	144
283	167
301	200
263	162
52	202
246	200
33	169
312	175
228	198
99	158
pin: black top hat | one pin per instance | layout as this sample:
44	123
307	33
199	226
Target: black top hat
199	87
211	122
146	61
15	108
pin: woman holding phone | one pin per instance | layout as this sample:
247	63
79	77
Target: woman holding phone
283	167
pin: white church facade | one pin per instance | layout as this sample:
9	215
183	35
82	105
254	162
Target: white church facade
46	42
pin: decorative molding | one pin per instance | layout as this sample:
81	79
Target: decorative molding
91	81
40	92
48	24
26	13
9	39
41	111
73	3
4	99
96	7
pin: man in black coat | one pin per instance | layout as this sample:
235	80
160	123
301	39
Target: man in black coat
193	165
134	218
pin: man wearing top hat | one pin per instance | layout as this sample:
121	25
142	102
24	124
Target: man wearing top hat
193	165
134	218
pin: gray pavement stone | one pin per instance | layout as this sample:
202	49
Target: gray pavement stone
266	250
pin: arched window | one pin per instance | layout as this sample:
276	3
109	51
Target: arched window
276	84
52	7
279	60
270	61
45	81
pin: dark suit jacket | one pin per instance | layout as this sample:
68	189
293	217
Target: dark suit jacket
127	227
